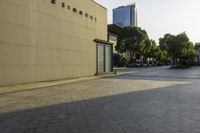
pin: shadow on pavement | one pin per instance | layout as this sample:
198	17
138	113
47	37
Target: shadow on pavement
170	110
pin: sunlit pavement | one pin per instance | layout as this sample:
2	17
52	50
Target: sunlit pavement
146	100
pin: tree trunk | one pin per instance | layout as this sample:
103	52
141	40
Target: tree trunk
173	62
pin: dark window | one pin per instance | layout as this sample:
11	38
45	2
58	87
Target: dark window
53	1
63	5
95	19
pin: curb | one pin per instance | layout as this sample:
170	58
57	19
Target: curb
33	86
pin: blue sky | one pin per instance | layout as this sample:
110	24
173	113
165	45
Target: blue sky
158	17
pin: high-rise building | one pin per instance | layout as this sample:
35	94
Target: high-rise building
125	15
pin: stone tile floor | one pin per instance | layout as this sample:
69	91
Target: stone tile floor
147	103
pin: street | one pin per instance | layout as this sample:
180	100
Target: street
144	100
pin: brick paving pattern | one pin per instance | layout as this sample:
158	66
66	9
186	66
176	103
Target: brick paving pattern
141	102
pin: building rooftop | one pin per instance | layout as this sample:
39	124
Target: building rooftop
130	5
99	4
197	43
114	28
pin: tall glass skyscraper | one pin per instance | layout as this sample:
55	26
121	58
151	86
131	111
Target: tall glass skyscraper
125	15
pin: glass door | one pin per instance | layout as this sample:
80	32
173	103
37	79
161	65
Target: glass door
100	58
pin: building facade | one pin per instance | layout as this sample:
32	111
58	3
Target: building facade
125	15
44	40
114	30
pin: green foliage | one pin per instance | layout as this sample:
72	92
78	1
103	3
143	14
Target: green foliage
147	48
162	56
130	39
187	55
179	48
135	41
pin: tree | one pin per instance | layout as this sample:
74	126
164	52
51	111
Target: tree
146	49
178	47
130	41
187	55
165	40
162	56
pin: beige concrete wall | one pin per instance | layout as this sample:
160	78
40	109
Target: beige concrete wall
40	41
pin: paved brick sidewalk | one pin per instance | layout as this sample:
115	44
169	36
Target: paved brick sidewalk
111	105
